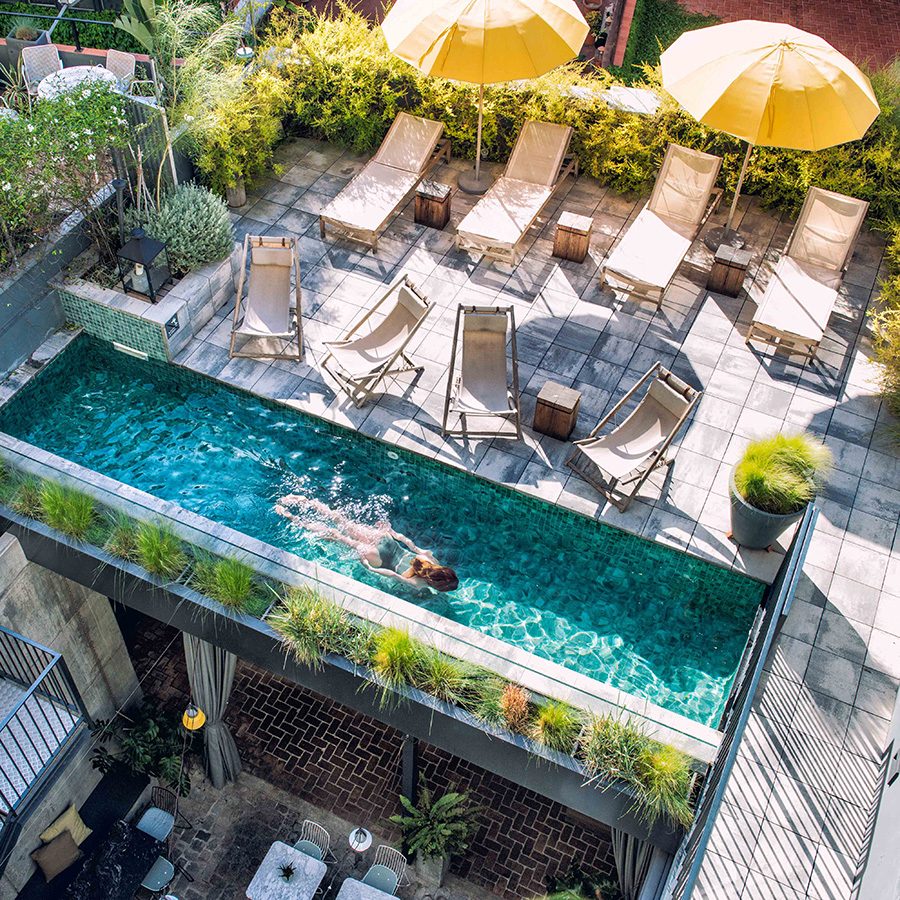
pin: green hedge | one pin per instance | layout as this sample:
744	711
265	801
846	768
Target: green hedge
100	37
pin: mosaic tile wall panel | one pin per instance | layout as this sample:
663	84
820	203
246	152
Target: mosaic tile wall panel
115	325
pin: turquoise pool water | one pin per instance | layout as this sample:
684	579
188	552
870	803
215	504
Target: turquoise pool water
643	617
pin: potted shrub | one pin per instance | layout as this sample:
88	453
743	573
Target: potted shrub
772	484
435	830
24	33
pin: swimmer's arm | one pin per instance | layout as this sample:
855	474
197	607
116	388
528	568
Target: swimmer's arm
403	539
387	573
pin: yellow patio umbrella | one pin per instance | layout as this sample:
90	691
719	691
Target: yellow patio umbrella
771	85
484	42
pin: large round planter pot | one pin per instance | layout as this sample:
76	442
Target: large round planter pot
753	528
237	195
431	870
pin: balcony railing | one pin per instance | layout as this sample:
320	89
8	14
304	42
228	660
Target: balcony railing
40	712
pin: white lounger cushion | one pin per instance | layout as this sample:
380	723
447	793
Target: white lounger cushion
651	250
629	446
268	304
505	212
409	143
483	381
799	299
366	354
368	201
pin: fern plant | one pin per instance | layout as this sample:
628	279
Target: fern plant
437	828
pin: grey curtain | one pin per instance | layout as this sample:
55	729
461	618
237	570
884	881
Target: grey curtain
211	675
632	856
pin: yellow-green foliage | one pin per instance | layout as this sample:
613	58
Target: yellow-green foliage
886	324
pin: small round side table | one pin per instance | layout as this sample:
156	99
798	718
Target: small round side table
360	840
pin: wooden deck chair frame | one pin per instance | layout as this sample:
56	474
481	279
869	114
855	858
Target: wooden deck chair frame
502	252
454	378
610	488
361	390
287	353
638	291
797	344
369	237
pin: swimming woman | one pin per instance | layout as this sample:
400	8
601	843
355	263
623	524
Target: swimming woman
381	549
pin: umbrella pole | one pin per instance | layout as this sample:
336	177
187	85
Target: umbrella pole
472	181
737	190
478	138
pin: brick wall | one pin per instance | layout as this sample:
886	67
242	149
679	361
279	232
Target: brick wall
349	764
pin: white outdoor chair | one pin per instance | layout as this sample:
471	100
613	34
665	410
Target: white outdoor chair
636	446
388	871
537	166
361	210
482	388
268	319
644	262
122	65
37	63
362	358
800	297
315	841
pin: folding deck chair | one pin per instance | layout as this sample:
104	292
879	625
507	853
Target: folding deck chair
643	264
361	360
482	387
361	210
637	446
799	299
268	319
537	166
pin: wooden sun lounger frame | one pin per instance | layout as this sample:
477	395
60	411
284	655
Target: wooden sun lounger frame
511	255
797	344
361	390
262	241
579	462
454	378
369	237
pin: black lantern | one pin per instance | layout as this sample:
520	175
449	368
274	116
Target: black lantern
143	265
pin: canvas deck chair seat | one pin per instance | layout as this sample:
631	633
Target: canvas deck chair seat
483	389
362	209
800	297
266	322
644	262
636	446
501	218
364	357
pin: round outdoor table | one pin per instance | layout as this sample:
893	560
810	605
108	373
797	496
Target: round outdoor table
58	83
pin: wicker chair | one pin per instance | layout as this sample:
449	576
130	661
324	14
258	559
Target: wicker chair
37	63
122	65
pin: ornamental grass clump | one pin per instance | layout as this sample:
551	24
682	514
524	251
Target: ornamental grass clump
556	726
515	707
227	580
446	678
664	784
26	497
311	626
397	657
122	539
194	225
66	509
781	474
160	551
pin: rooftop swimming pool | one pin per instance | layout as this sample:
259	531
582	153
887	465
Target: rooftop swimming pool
643	617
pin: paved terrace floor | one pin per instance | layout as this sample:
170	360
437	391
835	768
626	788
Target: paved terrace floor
794	820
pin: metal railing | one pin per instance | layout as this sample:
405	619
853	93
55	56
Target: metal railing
44	710
72	21
688	860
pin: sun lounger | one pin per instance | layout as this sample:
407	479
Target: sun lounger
482	387
635	447
267	320
537	167
643	264
362	359
794	311
362	209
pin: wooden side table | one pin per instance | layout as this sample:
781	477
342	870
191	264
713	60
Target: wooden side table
556	411
433	204
728	270
573	237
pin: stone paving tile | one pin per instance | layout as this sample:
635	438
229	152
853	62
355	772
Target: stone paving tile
836	667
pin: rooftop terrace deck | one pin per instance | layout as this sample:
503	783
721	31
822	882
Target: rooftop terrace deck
793	823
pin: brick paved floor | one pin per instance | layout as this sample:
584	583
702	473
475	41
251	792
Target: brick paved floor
864	30
836	667
344	765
